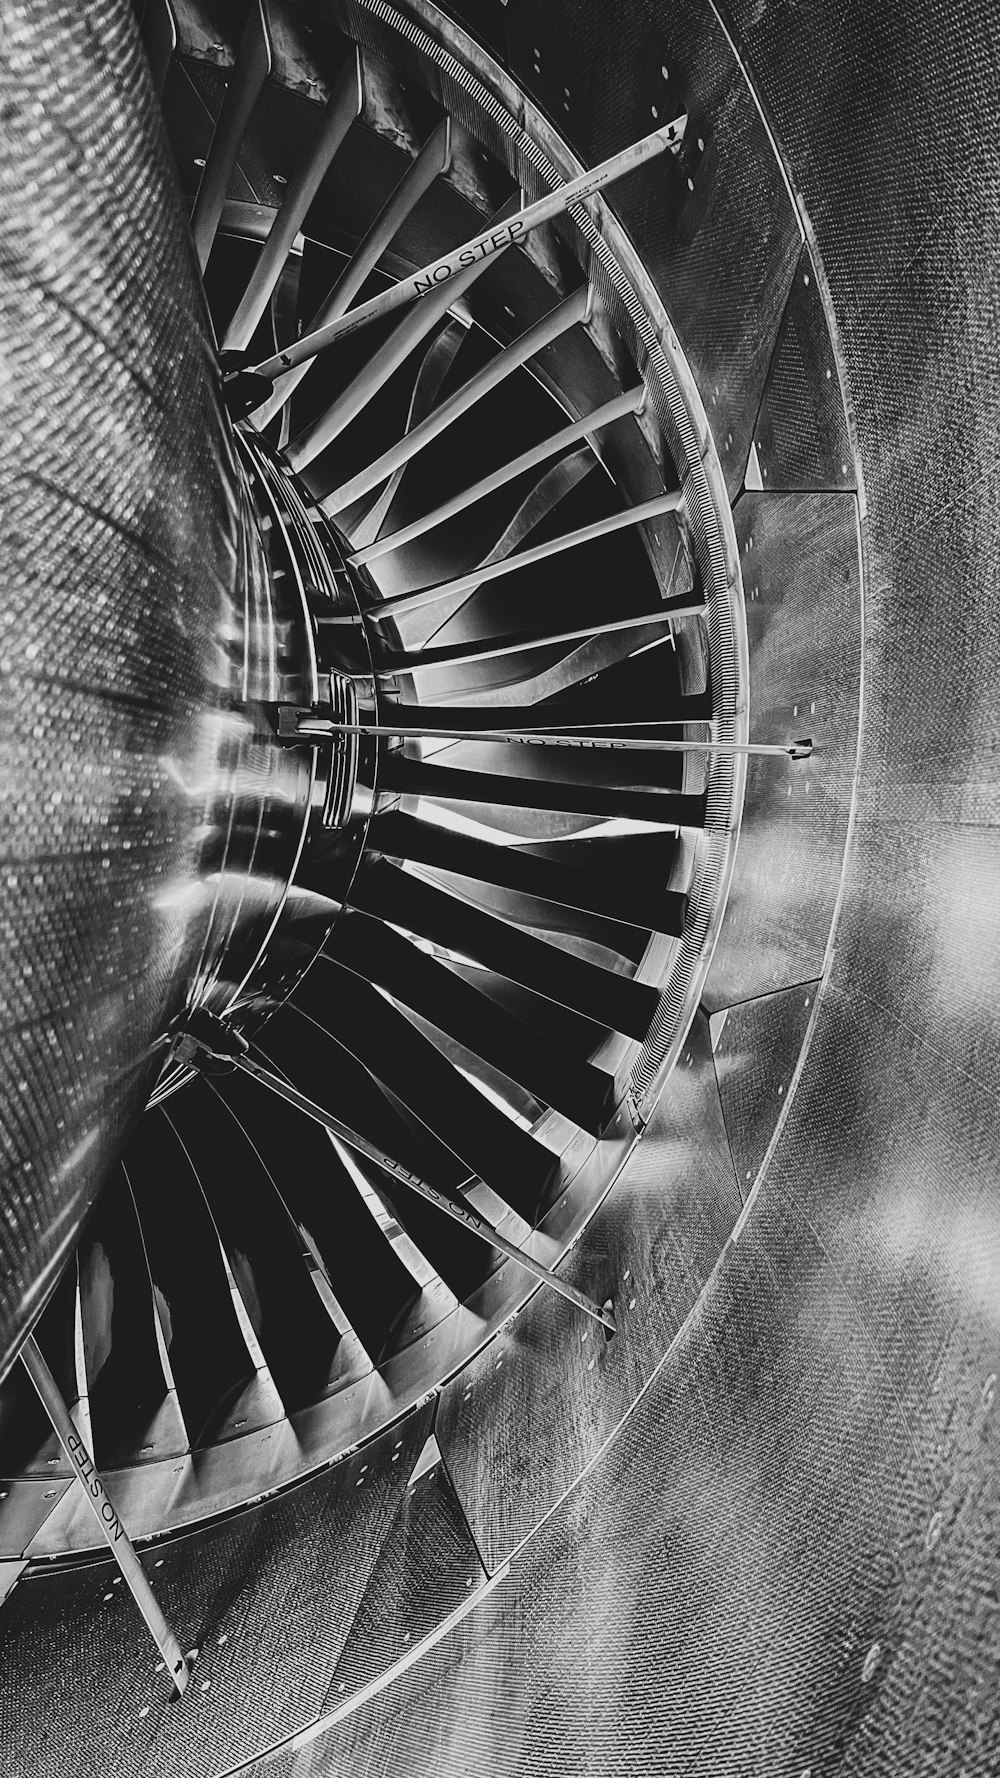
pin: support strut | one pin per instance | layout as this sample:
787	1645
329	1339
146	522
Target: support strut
177	1663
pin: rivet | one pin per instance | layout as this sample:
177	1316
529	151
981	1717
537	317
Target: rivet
989	1391
406	1638
780	1091
108	1596
145	1710
206	1685
829	374
872	1659
934	1530
627	1274
806	279
631	1302
665	72
592	1364
654	110
223	1639
158	1563
469	1583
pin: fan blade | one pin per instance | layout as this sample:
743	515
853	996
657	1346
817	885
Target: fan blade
413	777
432	160
551	327
369	1280
253	65
297	1335
404	900
326	1072
27	1441
473	1019
629	403
506	1157
392	661
126	1384
206	1351
508	564
437	362
616	897
343	106
380	367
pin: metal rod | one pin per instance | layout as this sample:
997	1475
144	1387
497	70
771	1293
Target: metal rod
253	65
112	1529
342	107
551	326
432	160
465	1214
629	403
412	661
467	583
322	727
483	246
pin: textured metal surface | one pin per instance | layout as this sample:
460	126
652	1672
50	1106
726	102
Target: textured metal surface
802	436
114	474
269	1600
757	1045
801	569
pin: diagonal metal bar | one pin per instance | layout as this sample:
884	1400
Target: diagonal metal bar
376	373
432	160
551	326
465	1214
616	521
481	247
104	1512
253	65
343	106
629	403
